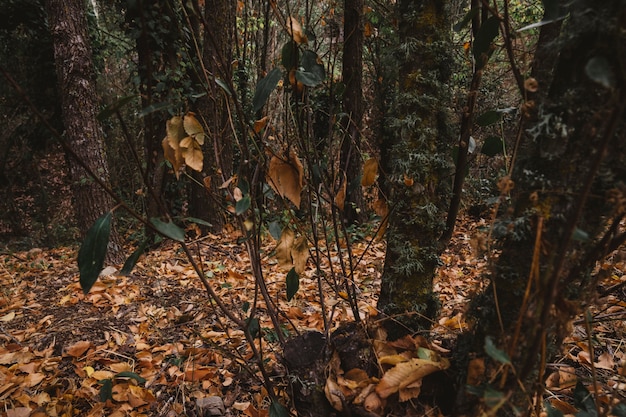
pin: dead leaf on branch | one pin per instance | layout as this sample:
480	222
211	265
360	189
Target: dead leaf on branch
283	249
340	197
286	177
370	171
300	254
193	128
294	28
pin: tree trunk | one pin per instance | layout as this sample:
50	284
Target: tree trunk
421	168
350	162
568	178
76	80
217	57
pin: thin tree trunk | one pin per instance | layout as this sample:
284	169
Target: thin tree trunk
76	81
350	162
217	57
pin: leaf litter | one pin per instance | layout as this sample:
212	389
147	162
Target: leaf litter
150	344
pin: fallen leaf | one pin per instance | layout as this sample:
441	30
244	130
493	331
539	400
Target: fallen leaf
404	375
78	348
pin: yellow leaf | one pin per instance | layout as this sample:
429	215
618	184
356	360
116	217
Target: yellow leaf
340	197
8	317
283	249
193	127
370	170
295	30
88	370
405	375
193	155
286	177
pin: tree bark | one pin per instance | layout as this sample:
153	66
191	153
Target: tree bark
352	75
421	168
568	176
76	81
218	163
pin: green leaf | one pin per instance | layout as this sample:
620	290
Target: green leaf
482	44
245	306
168	229
466	19
580	235
253	326
154	108
113	108
552	9
106	392
93	251
264	88
488	118
289	55
293	283
223	85
551	411
310	64
197	221
493	146
618	411
308	78
132	259
278	410
493	398
584	401
242	205
132	375
275	229
599	70
495	353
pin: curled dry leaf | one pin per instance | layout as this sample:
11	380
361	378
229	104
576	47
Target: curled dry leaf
193	128
260	124
404	376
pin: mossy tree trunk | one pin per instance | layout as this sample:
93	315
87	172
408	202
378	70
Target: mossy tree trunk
419	166
568	197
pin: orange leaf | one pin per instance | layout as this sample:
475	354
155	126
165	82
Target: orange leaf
260	124
286	178
370	170
78	348
300	254
295	30
340	197
192	153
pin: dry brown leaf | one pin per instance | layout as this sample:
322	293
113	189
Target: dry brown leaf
370	170
283	249
405	374
286	177
78	348
340	197
300	254
192	153
295	30
193	128
19	412
563	406
260	124
173	156
605	361
207	183
333	393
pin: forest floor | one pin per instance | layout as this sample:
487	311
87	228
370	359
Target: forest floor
150	344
